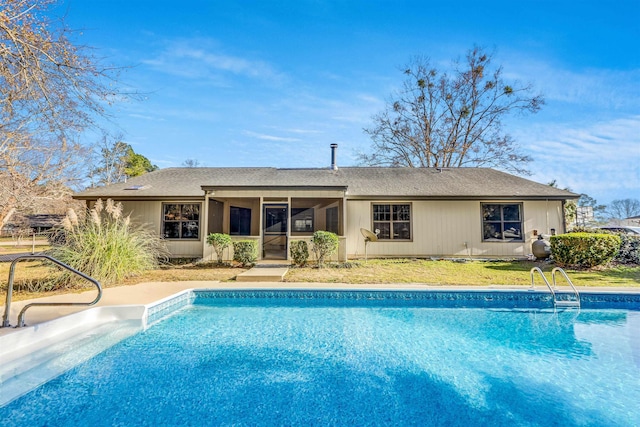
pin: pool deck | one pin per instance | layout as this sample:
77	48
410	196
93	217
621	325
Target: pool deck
146	293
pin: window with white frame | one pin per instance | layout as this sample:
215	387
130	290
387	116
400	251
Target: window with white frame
181	221
502	222
392	221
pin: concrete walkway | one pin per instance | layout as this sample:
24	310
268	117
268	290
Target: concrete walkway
143	293
263	273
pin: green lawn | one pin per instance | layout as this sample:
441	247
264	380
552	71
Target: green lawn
473	273
378	271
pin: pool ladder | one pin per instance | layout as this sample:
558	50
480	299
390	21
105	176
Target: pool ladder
573	298
7	308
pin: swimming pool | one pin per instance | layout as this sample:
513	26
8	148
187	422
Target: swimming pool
355	358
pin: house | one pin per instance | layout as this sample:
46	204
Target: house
632	221
23	225
426	212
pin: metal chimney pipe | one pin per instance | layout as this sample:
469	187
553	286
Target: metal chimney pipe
334	165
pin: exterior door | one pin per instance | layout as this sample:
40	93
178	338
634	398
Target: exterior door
274	235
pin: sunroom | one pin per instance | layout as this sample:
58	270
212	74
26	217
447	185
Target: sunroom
274	216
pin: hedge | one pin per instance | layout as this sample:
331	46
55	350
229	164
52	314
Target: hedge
584	249
299	252
245	252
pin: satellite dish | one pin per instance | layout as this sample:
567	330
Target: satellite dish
369	236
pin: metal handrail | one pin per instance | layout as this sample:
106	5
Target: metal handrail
553	277
538	270
553	288
7	308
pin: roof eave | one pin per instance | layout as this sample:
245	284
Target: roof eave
462	197
274	187
139	197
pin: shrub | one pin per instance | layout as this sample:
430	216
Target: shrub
220	242
105	245
245	252
584	249
629	252
299	252
324	244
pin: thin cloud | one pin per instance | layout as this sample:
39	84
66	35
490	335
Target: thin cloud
593	87
145	117
269	137
201	58
602	158
304	131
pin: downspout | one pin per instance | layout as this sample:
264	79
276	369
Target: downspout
288	228
205	226
261	229
344	227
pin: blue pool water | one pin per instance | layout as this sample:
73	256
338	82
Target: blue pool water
223	362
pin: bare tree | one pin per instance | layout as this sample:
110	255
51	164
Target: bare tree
625	208
451	120
38	176
50	90
192	163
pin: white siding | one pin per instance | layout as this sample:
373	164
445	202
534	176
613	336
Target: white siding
149	213
439	229
450	229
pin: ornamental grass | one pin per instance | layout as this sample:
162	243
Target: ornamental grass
106	245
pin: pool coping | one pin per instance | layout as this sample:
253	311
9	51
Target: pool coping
452	296
455	298
433	297
25	342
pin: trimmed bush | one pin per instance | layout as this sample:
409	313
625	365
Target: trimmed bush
324	244
245	252
584	249
299	252
220	242
629	252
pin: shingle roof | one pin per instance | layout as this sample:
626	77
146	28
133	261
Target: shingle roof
359	181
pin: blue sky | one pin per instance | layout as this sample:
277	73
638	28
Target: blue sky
274	83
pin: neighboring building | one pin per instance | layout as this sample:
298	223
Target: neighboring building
418	212
21	226
632	221
584	216
41	223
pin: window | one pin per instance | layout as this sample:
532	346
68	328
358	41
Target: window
392	221
502	222
333	222
240	221
181	221
302	219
